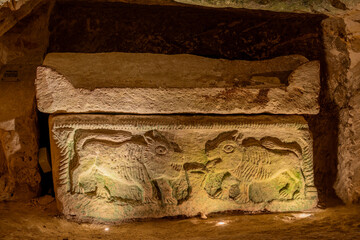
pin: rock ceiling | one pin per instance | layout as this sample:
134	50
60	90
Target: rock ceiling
12	11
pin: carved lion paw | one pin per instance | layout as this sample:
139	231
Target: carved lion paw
242	198
296	195
284	193
169	200
220	195
79	189
148	200
76	189
103	192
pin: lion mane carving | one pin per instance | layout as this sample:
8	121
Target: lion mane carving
239	166
128	168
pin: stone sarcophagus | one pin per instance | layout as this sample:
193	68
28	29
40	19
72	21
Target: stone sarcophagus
115	167
120	167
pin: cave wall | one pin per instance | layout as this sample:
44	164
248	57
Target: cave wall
329	7
342	49
21	49
12	11
27	41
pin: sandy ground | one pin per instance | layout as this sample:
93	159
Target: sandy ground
39	219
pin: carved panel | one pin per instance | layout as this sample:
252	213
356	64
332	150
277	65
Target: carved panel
113	168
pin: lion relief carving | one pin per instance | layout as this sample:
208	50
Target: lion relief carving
249	169
127	168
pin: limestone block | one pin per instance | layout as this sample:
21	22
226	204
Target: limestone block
119	167
156	83
19	174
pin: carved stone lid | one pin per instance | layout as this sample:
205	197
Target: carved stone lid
147	83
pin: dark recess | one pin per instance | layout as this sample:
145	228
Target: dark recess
44	141
218	33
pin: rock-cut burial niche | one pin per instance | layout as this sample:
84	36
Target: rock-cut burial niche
191	68
123	58
118	167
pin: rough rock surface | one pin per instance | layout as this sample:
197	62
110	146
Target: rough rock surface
19	173
78	26
22	49
342	37
27	41
114	168
12	11
330	7
154	83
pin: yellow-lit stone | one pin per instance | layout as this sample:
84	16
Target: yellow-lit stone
113	168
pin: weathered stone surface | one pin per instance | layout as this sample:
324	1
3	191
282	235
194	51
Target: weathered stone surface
330	7
155	83
13	11
19	174
22	49
343	59
27	41
116	167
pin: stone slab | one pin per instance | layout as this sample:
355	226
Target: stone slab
155	83
116	167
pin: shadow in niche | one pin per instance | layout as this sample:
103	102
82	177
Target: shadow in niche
46	183
325	129
3	170
91	27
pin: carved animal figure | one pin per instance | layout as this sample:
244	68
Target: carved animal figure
243	169
129	168
164	162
